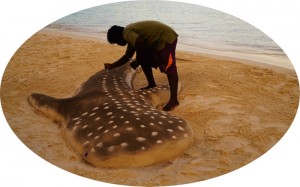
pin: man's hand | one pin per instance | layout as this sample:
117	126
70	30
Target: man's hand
108	66
134	64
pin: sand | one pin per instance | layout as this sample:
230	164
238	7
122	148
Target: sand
238	111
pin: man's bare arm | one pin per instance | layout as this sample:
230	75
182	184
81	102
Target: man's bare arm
123	60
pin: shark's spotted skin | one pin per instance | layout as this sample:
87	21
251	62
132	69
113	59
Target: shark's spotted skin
111	125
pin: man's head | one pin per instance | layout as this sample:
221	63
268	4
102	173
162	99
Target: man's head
114	35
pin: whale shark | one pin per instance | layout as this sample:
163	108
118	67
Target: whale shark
109	124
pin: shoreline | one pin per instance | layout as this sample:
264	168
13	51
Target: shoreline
256	60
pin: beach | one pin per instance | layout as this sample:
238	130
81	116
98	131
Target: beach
237	110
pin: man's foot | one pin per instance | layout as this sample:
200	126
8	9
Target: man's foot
148	87
171	106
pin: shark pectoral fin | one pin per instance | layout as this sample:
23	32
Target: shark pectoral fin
46	104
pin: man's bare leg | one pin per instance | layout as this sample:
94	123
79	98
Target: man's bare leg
173	82
149	76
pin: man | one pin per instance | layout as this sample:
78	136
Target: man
155	45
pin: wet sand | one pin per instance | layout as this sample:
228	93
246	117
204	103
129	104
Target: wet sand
238	111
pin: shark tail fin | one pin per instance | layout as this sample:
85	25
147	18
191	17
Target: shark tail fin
46	105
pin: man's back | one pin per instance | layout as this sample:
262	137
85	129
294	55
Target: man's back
154	34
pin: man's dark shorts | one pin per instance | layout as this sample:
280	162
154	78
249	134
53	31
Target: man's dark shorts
164	59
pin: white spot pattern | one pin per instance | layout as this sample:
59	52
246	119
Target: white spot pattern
128	112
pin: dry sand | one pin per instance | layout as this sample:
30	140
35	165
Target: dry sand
237	111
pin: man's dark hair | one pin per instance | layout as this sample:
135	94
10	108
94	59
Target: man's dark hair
114	34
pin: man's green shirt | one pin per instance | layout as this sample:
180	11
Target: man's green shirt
154	34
